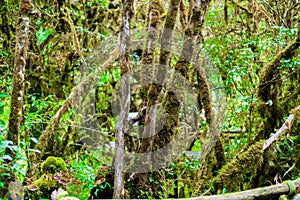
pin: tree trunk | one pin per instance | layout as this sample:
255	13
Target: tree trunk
125	70
17	95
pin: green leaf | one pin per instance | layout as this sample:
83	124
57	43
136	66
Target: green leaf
197	146
7	157
1	108
15	166
224	191
39	22
5	144
22	144
3	95
21	172
5	174
269	102
14	148
42	35
33	139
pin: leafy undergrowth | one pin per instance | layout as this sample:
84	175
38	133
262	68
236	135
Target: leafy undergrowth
83	170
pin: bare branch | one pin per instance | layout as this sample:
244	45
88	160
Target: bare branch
286	126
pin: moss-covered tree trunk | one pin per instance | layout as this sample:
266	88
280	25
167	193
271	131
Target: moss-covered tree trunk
17	95
144	186
269	106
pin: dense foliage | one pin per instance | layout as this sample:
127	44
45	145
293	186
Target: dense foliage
68	124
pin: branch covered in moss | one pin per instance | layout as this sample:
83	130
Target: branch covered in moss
270	70
233	171
48	133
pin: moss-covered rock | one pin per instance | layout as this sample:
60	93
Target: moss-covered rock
53	165
50	179
40	188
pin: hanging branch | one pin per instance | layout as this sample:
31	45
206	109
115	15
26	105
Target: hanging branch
74	32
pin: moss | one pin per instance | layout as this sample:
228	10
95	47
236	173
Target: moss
41	187
231	175
53	165
44	186
296	112
44	182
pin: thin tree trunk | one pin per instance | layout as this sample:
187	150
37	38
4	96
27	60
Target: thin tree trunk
270	192
125	69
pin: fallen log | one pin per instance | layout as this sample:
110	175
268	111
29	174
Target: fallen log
273	192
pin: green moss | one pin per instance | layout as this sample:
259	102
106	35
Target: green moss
231	175
44	182
43	187
53	165
40	188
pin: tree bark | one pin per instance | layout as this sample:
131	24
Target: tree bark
17	95
125	93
